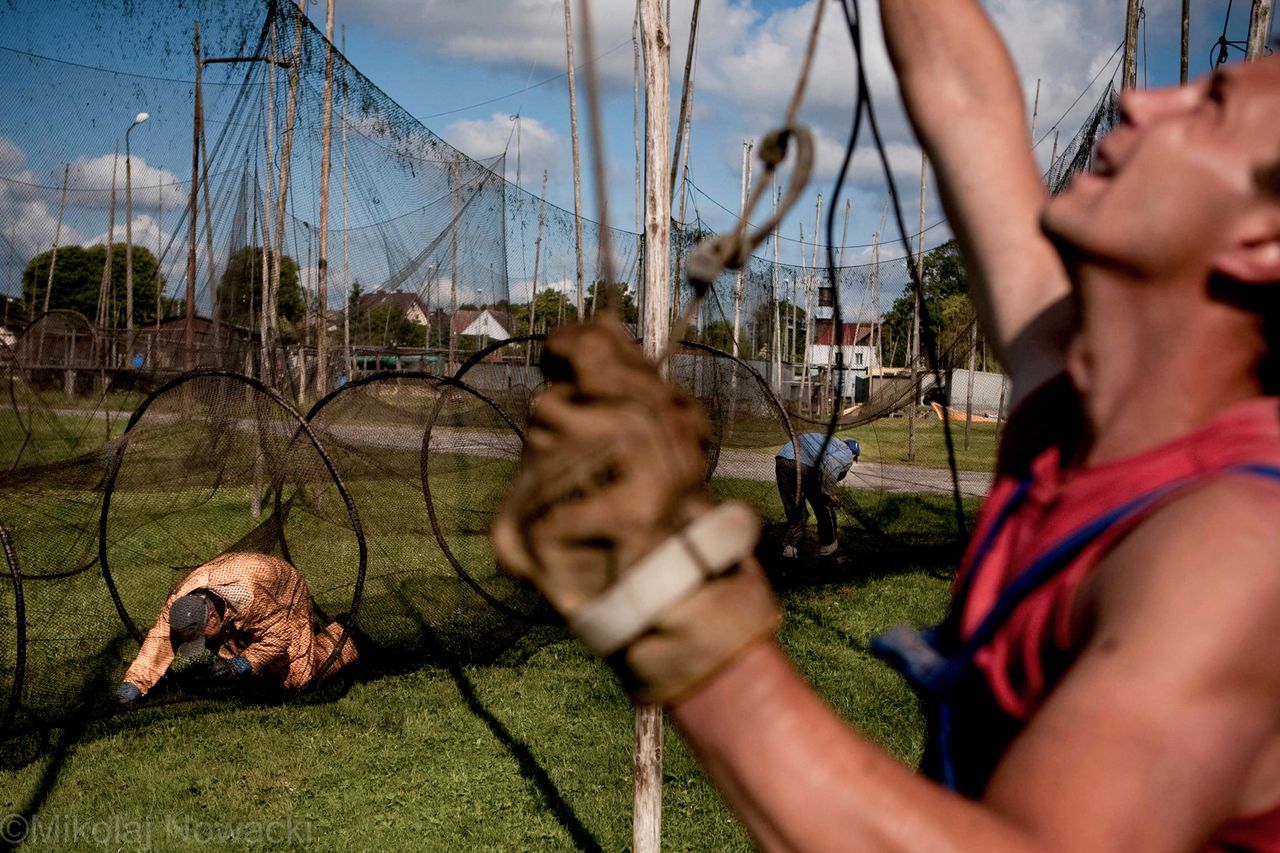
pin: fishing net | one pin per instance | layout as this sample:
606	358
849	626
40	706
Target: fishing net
134	452
426	460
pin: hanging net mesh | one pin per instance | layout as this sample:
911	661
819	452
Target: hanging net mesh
152	421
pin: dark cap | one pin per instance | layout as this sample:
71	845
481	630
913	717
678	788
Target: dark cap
187	618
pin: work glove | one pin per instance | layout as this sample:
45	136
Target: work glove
126	694
609	517
229	669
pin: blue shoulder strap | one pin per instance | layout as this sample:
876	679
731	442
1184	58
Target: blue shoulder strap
933	673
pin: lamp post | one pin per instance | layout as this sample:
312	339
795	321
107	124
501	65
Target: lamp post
128	224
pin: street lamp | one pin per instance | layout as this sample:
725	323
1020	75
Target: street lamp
128	224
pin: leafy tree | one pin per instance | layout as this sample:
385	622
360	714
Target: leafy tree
718	334
388	326
77	281
624	299
552	308
240	288
762	325
947	305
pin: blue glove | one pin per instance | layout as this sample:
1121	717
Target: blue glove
126	694
230	669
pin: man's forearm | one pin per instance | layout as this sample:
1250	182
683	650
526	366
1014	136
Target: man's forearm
962	94
951	64
800	778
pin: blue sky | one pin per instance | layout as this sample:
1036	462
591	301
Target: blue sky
460	68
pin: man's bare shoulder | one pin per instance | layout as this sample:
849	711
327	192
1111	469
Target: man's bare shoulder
1209	552
1176	681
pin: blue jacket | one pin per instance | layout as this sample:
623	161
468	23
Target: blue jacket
835	462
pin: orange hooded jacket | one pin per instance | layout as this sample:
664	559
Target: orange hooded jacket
267	620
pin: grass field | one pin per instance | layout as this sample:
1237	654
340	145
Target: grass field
530	751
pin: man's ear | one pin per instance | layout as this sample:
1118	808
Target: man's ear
1252	255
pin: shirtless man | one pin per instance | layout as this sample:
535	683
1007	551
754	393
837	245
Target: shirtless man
1131	700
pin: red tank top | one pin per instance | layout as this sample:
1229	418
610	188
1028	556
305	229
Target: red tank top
1058	501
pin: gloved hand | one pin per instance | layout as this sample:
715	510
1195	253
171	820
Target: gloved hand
126	694
610	518
224	669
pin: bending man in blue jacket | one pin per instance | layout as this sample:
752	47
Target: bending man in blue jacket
819	480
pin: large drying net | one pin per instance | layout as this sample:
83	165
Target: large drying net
122	470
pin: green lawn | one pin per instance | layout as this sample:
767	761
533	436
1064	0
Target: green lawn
530	750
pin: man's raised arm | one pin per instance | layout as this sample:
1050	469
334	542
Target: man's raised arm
963	97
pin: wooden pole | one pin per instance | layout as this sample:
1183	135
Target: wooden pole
128	234
1035	110
915	321
453	274
777	297
189	330
349	365
857	328
747	146
1186	40
968	407
646	827
684	192
635	118
104	291
1259	29
326	162
577	160
537	262
686	93
214	314
267	323
57	237
1129	78
811	303
286	161
159	250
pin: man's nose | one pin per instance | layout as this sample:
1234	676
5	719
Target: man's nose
1141	107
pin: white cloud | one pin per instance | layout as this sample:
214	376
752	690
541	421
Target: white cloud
93	177
539	147
27	221
146	232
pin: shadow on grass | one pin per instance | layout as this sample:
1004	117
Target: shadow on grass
88	707
530	769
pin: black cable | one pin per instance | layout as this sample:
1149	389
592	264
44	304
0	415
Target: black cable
852	19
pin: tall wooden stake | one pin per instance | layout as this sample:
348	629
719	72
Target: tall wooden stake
286	161
577	160
1129	77
214	314
1259	29
1186	40
349	365
159	243
1035	110
57	237
684	192
267	324
968	406
189	330
646	827
635	119
453	274
915	321
104	291
686	93
777	297
537	262
326	158
747	146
